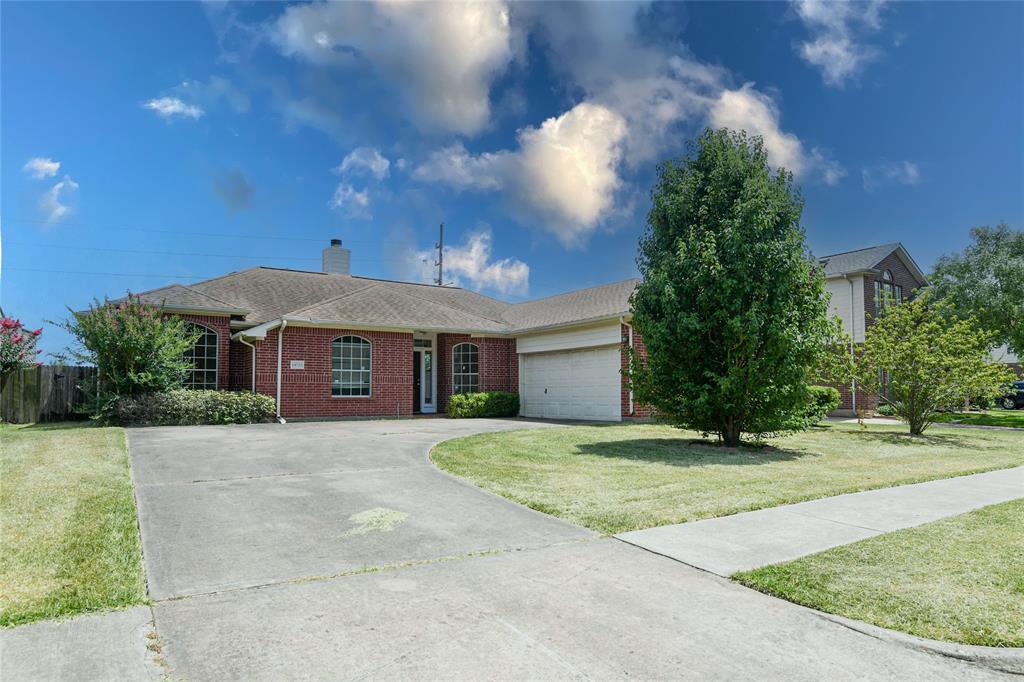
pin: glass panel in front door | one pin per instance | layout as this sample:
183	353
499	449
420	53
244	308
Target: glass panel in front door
428	377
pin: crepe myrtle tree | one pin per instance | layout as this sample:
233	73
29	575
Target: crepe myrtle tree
136	348
922	359
17	346
733	311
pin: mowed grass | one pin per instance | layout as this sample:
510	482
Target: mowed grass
1012	418
69	540
960	579
617	478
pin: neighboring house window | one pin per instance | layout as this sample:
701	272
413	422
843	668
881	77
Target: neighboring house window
350	366
202	357
465	368
886	292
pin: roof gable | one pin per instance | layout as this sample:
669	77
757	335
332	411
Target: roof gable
863	260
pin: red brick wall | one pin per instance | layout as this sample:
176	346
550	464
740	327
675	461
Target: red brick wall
307	392
639	411
499	365
865	400
241	367
221	325
901	275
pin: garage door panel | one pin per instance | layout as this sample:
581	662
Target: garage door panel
579	384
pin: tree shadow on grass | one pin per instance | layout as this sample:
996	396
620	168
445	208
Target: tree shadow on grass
687	452
905	438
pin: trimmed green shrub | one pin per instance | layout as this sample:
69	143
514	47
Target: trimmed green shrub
182	406
487	404
886	410
824	399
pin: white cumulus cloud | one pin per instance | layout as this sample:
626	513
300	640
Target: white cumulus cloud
365	159
471	264
563	173
52	200
40	168
350	201
836	27
441	56
169	107
756	113
636	98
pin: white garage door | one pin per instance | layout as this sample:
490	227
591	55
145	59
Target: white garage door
573	384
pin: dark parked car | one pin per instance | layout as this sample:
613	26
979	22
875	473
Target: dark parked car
1014	397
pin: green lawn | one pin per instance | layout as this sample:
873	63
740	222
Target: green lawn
617	478
68	529
960	579
1014	418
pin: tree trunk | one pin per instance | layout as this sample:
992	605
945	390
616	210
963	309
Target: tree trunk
730	434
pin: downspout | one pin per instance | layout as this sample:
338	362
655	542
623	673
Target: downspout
241	339
853	340
627	324
280	346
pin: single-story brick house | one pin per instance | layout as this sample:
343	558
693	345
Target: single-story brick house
860	283
330	343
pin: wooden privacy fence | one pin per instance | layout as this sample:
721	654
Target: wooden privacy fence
45	393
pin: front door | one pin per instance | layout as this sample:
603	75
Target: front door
417	376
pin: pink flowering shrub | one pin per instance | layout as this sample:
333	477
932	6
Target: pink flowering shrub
17	346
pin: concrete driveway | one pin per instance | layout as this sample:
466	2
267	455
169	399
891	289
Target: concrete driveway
240	506
260	572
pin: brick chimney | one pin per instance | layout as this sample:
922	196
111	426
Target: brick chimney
337	260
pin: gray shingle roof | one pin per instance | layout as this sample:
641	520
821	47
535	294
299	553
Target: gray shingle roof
179	296
856	261
585	304
267	294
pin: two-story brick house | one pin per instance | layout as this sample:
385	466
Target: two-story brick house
860	282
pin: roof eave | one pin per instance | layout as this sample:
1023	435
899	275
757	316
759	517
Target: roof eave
574	323
260	331
196	310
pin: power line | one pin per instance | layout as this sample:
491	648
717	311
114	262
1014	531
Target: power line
358	258
236	235
110	274
164	253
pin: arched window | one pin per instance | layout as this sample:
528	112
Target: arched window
202	357
465	368
350	366
887	292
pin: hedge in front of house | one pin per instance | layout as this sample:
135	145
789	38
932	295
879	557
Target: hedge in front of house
182	407
486	404
824	400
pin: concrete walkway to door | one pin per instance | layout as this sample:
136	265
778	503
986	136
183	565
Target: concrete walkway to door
741	542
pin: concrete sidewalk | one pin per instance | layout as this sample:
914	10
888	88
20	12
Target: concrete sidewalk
744	541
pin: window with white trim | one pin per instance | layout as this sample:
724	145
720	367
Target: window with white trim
202	357
350	366
465	368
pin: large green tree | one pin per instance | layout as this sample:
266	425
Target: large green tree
732	310
922	360
986	282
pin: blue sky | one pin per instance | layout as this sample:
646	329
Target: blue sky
145	143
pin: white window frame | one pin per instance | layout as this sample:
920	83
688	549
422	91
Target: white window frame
340	343
190	381
456	373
